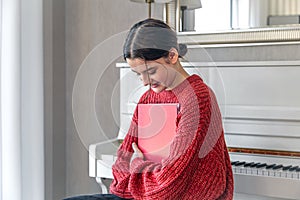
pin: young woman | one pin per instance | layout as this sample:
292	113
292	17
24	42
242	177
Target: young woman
198	166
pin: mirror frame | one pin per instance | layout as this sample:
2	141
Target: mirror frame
253	35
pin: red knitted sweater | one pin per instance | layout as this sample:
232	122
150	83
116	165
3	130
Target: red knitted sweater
198	166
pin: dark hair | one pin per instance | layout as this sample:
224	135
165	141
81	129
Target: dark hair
151	39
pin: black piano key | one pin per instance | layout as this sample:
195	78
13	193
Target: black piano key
277	167
286	167
270	166
234	162
248	164
298	169
261	165
294	168
254	164
240	163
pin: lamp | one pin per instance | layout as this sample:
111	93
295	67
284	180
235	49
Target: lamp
152	1
173	15
190	4
187	8
149	3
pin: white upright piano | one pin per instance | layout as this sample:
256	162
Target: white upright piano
260	104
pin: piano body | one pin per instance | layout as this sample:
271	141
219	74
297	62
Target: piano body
260	105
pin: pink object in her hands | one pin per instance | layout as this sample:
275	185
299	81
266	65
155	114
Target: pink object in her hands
156	129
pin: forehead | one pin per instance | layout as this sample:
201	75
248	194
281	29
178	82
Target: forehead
139	65
136	63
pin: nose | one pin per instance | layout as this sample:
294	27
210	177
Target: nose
145	79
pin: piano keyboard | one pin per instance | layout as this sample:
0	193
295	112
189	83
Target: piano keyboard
270	176
264	169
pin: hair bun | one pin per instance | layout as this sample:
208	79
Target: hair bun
182	49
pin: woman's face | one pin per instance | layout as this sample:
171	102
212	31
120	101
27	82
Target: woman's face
159	74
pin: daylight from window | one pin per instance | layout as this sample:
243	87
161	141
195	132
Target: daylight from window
214	15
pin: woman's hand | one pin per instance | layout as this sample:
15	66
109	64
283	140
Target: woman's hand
137	152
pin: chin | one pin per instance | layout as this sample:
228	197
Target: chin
158	89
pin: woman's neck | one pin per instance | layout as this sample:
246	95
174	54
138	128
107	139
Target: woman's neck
180	76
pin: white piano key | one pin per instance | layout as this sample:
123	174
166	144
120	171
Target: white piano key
249	171
289	175
241	170
233	169
295	175
278	173
244	170
283	174
265	172
254	171
260	172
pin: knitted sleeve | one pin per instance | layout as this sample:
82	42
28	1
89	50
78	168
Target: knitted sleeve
120	168
121	171
195	165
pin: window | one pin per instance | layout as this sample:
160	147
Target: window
214	15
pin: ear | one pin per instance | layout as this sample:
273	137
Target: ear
173	56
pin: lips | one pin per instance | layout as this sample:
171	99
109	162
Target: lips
154	85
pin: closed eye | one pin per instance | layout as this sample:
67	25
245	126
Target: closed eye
152	71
